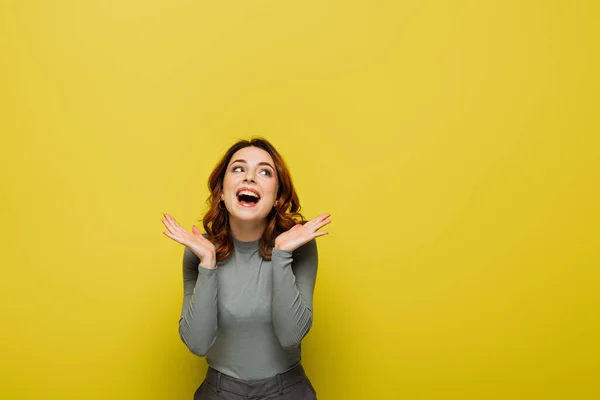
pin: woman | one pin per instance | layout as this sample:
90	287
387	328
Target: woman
249	281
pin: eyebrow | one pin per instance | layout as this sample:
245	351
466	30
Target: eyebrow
260	163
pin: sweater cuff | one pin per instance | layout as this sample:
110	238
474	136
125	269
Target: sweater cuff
206	271
282	253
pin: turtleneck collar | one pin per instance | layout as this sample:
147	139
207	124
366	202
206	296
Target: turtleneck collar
245	247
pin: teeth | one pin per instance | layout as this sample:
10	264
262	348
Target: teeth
248	193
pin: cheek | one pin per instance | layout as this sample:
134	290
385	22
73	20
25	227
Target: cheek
228	184
273	191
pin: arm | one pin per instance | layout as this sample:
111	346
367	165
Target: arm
198	322
294	276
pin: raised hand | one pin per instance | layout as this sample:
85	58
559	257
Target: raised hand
193	240
302	234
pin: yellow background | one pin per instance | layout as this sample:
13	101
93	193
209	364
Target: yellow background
455	144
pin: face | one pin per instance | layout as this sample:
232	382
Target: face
250	185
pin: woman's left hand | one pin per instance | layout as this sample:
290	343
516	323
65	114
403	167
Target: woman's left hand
302	234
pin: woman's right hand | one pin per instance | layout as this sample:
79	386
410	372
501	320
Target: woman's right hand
193	240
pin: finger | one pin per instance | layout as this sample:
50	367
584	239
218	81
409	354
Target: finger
318	225
167	224
167	220
169	235
318	219
173	236
176	233
323	223
172	227
173	221
175	227
321	233
197	232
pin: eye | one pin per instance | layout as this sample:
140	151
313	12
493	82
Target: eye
237	169
266	172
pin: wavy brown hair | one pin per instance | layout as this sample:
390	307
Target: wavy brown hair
280	219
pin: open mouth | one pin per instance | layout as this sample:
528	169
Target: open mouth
248	197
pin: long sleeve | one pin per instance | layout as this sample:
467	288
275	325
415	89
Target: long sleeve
198	322
294	276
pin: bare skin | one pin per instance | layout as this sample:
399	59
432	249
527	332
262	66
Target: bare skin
250	168
302	234
193	240
290	240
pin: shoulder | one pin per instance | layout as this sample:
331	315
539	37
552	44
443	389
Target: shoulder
307	249
189	256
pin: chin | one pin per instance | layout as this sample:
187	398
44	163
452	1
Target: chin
251	216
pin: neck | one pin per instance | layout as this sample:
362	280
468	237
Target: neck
245	231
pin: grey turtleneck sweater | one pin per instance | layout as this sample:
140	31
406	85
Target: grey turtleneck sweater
248	315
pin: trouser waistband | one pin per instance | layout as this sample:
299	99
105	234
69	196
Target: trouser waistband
255	388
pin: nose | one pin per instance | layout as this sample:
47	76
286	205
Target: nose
248	177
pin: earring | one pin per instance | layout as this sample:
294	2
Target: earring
222	202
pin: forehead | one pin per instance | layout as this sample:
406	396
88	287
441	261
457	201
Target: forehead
252	155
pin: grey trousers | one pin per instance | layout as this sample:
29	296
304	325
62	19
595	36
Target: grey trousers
289	385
